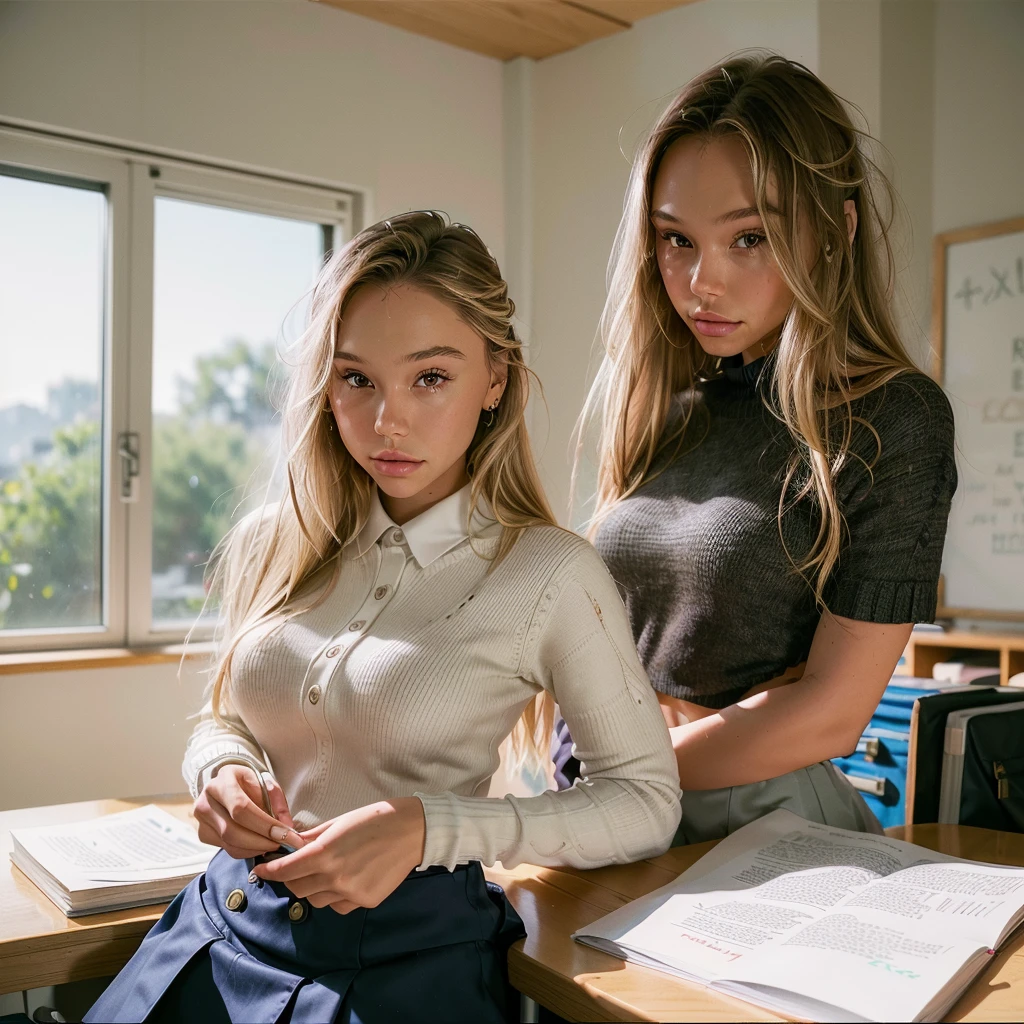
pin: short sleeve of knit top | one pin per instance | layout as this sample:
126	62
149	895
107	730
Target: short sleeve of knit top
714	602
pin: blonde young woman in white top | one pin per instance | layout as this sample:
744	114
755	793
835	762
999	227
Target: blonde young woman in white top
383	630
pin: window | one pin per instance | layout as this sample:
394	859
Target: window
143	306
52	257
224	283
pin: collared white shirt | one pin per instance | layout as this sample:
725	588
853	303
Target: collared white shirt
406	676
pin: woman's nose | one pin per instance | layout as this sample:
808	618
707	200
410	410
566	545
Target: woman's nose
707	279
392	417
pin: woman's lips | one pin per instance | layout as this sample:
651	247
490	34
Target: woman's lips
715	328
396	467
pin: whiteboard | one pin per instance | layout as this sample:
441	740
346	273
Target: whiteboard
981	352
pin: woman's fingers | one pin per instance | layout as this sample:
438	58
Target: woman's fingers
212	838
237	789
325	898
278	801
344	906
309	834
229	832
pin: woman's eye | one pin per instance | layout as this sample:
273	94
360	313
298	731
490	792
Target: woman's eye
749	240
432	379
676	241
354	379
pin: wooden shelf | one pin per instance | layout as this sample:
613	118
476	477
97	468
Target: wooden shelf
925	650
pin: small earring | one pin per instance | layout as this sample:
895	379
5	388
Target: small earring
828	253
491	416
330	417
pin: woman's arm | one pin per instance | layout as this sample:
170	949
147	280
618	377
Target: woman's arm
578	647
820	716
214	744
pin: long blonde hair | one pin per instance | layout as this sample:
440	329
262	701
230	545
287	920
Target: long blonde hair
262	566
839	340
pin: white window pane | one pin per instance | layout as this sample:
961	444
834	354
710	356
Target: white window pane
52	256
228	287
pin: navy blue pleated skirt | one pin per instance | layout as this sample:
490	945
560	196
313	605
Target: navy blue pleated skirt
232	950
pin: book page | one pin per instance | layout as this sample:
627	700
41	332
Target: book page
142	844
783	893
889	949
858	965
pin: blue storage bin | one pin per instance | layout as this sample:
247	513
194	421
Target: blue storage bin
878	767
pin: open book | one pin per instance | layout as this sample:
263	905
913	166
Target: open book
112	862
822	923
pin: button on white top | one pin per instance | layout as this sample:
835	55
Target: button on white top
381	592
397	536
354	627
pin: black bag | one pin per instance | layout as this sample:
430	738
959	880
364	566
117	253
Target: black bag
992	791
927	734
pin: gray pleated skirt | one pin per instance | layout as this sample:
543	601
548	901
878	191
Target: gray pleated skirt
819	793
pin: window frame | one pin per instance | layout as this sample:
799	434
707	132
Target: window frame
132	181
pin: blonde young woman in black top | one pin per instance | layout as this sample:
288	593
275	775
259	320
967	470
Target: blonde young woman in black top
774	474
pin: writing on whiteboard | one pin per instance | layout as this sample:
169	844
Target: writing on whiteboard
970	293
983	367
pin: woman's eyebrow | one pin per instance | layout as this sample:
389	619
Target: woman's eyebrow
663	215
746	211
433	353
413	357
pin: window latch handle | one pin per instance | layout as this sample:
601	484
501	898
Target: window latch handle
128	450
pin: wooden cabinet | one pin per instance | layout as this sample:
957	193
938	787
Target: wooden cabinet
925	649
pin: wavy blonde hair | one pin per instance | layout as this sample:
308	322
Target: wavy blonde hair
839	340
260	570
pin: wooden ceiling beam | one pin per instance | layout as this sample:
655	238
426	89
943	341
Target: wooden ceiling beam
629	11
506	29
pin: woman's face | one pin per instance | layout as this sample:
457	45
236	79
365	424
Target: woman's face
409	382
712	252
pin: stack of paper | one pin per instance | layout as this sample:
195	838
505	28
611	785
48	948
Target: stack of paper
116	861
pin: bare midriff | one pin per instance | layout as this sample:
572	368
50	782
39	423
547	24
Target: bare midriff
679	712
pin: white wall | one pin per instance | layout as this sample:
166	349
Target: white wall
586	103
94	733
289	86
286	84
979	84
937	81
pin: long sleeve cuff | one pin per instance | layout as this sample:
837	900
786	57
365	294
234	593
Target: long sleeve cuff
201	765
598	822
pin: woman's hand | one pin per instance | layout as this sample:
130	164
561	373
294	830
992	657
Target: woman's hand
231	815
357	859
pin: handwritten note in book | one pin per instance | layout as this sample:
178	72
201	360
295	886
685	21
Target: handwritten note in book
984	378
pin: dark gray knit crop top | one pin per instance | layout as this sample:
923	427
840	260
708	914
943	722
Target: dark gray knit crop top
715	604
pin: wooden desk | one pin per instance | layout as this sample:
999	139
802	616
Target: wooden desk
581	983
40	946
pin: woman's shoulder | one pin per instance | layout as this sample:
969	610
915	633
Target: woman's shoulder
554	553
910	411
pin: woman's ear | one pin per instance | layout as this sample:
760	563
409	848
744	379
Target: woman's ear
494	393
850	209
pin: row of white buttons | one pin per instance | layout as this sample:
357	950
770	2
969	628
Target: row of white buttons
315	692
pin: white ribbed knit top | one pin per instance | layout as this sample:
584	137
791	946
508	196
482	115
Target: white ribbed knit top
411	672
